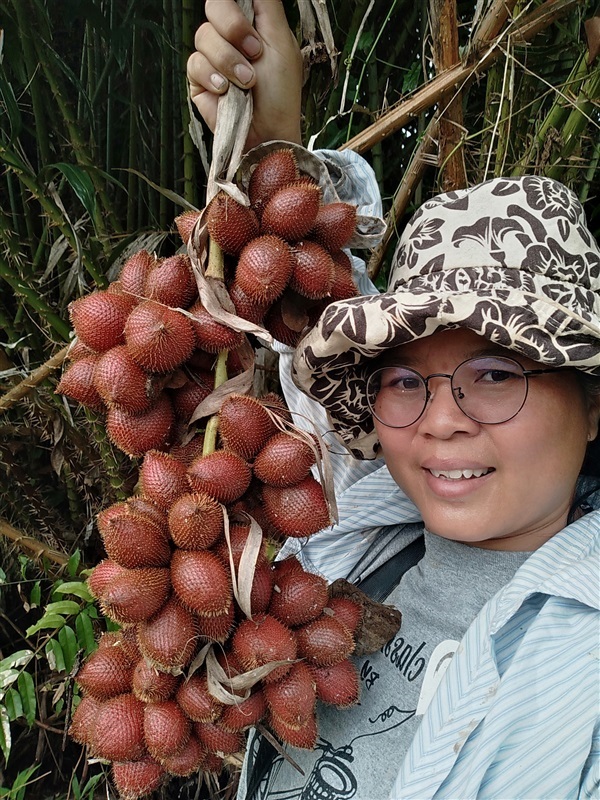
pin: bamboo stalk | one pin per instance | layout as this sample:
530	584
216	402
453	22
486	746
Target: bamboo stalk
491	25
34	379
31	545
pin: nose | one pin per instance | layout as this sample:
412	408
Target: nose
443	417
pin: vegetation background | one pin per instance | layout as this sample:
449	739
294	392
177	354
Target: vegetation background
97	160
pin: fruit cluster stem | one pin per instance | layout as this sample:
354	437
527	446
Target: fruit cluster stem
212	427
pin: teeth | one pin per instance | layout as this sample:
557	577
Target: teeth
458	474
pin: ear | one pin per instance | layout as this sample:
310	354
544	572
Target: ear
593	418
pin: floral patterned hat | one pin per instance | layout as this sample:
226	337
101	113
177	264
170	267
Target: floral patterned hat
510	259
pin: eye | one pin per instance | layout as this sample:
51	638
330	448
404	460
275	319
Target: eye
497	376
401	379
494	371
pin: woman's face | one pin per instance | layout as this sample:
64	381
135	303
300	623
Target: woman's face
531	462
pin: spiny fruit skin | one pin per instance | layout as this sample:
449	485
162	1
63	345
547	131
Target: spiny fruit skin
135	435
244	714
195	700
83	718
136	779
238	536
292	698
245	307
334	225
132	539
337	684
343	286
299	510
169	639
261	640
291	212
151	686
230	224
185	224
189	396
211	335
298	599
77	382
244	425
273	172
77	349
285	460
313	271
217	740
158	338
201	581
99	319
123	383
140	504
221	474
106	673
134	273
264	268
171	281
188	760
324	641
102	574
346	610
217	627
118	731
162	478
304	737
166	729
195	521
135	594
277	327
186	453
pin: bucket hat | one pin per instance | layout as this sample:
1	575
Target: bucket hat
511	259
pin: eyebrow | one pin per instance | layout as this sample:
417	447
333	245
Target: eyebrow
387	359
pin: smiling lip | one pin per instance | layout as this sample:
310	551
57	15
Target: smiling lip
450	482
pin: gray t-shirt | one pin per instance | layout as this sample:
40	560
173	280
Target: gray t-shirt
360	749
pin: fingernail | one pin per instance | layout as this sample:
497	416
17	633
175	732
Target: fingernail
218	81
252	46
243	73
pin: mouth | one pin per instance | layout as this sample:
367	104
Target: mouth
460	474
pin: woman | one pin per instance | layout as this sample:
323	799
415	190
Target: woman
477	377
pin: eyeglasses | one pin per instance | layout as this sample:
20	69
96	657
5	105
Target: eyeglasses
489	389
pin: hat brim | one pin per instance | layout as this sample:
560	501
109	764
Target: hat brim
514	310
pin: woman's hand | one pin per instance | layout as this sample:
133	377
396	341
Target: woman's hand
265	59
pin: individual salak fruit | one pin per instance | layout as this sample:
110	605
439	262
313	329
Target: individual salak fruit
105	673
299	510
343	286
262	588
77	349
324	641
185	224
135	435
118	730
186	452
264	269
304	737
134	273
102	574
171	281
188	760
123	383
274	171
313	271
279	329
166	729
222	474
298	599
170	638
77	382
82	721
212	336
162	478
245	307
137	779
217	740
151	686
195	521
230	224
291	212
140	504
158	338
99	319
334	225
246	713
261	640
218	626
245	425
346	610
201	581
135	594
189	396
337	684
292	698
285	460
133	539
238	536
196	701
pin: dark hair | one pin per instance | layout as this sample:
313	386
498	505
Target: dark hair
591	388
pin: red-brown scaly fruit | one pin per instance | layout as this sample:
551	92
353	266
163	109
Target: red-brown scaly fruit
346	610
217	740
245	307
292	698
264	269
171	281
244	425
82	721
139	504
189	396
343	285
222	474
151	686
338	684
78	350
135	435
230	224
285	460
217	627
324	641
261	640
106	673
211	335
291	212
123	383
158	338
201	581
273	172
196	521
304	738
299	510
188	760
102	574
136	594
298	599
118	730
278	328
169	639
196	701
166	729
99	319
185	224
244	714
334	225
77	382
186	453
128	641
134	273
287	566
238	535
313	272
132	539
162	478
262	588
136	779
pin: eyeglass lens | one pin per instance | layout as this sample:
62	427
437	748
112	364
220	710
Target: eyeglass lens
490	389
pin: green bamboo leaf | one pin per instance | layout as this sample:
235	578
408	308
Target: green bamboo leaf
35	595
73	563
85	633
5	740
81	183
170	195
11	108
7	677
47	621
17	659
68	642
21	781
78	588
27	691
12	703
55	655
63	607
